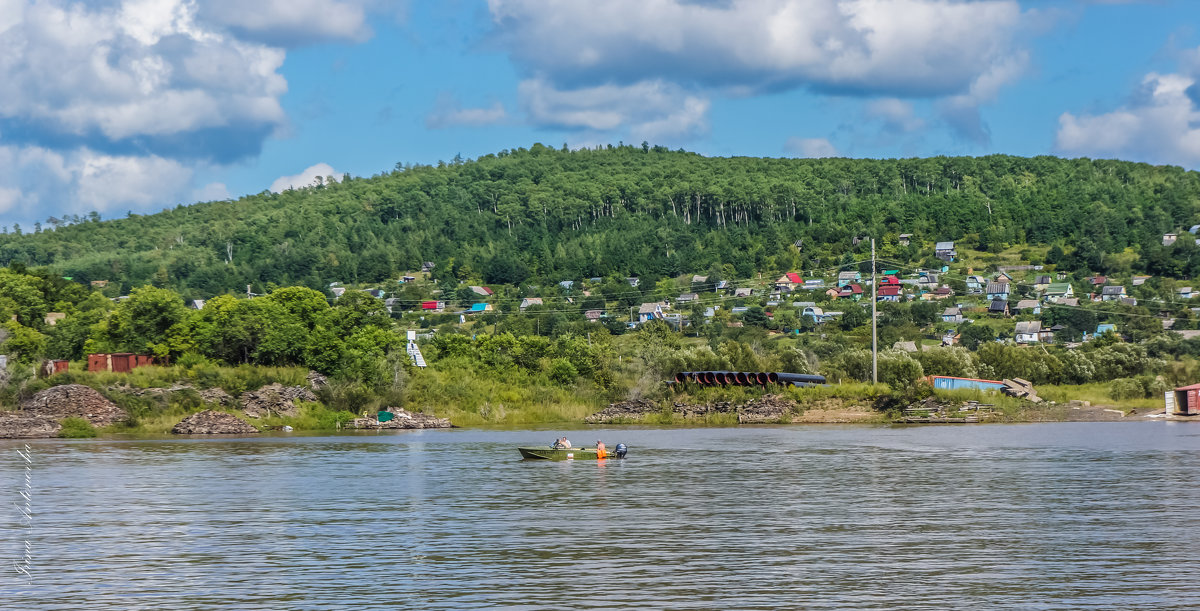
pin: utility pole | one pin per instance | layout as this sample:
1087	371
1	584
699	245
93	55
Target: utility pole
874	335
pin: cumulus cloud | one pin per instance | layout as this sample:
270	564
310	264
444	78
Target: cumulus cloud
39	182
449	113
896	47
811	147
897	115
291	22
1159	124
648	109
307	178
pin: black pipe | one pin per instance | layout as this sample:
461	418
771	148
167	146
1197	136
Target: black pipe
789	378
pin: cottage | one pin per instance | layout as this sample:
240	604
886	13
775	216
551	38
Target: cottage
1169	238
479	308
975	285
1060	276
890	280
927	282
889	292
745	292
1101	329
687	298
593	315
1139	280
1129	301
813	312
699	279
530	301
998	306
376	293
196	304
942	292
722	285
1003	277
337	291
789	282
905	239
832	293
482	291
1041	282
850	277
1028	332
1112	293
945	251
428	266
852	291
651	311
1069	301
1058	291
1183	292
1098	280
997	290
633	282
1029	306
814	284
952	315
433	306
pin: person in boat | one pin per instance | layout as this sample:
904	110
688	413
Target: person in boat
600	451
562	442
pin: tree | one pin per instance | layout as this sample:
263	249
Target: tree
141	323
973	335
854	317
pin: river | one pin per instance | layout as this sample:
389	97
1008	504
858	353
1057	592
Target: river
1036	516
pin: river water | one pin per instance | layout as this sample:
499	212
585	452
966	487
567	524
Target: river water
1039	516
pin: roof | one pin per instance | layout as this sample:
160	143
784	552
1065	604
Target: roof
528	301
593	314
848	275
794	277
1027	304
906	235
1098	279
743	292
481	290
1058	287
1112	290
853	288
814	310
998	305
1029	326
890	290
945	290
1105	327
479	307
688	297
997	287
650	308
1071	301
952	312
429	305
1192	387
1042	280
891	280
1184	289
699	278
944	246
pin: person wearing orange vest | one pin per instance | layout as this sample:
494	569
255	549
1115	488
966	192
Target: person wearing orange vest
600	451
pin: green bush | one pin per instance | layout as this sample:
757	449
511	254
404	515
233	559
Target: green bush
563	372
1125	388
76	428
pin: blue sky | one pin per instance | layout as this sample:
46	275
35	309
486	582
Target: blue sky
136	105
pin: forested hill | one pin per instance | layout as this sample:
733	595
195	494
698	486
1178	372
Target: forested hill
550	215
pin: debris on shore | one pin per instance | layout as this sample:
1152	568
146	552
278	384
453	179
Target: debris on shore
209	422
402	419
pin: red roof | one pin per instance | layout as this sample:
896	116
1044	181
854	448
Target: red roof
891	280
891	290
429	305
794	277
854	288
1192	387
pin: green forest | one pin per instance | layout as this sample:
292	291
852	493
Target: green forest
544	215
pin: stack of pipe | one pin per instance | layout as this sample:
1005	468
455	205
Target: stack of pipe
747	378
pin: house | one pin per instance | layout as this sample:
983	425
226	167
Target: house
376	293
1112	293
1101	329
1129	301
942	292
651	311
1069	301
905	239
975	285
1060	276
997	290
722	285
1184	401
853	291
337	291
633	282
1041	282
743	292
593	315
530	301
952	315
428	266
945	251
890	280
405	279
1098	280
393	304
699	279
927	282
1183	292
1028	332
832	293
845	278
814	284
889	292
196	304
566	285
1169	238
433	306
479	308
789	282
1003	277
1139	280
482	291
1029	306
99	284
1058	291
998	306
813	312
687	298
52	318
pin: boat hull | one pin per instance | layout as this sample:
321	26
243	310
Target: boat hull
549	453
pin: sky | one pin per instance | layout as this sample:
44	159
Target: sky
119	106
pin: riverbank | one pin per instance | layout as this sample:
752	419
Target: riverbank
153	401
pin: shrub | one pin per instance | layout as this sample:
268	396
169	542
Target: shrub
1125	388
75	428
563	372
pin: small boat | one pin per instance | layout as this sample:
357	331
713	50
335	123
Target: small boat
553	453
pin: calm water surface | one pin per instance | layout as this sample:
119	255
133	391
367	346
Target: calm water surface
1045	516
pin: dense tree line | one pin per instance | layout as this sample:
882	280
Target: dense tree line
546	215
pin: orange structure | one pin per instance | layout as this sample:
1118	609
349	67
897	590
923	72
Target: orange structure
120	362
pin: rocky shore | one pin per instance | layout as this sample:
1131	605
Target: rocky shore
768	409
403	419
209	422
41	414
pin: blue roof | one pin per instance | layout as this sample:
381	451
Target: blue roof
479	307
1105	327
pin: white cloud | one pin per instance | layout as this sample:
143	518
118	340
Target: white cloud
1160	124
897	115
449	113
897	47
141	69
648	109
213	191
811	147
307	178
40	182
292	22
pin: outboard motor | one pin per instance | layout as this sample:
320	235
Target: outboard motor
621	450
